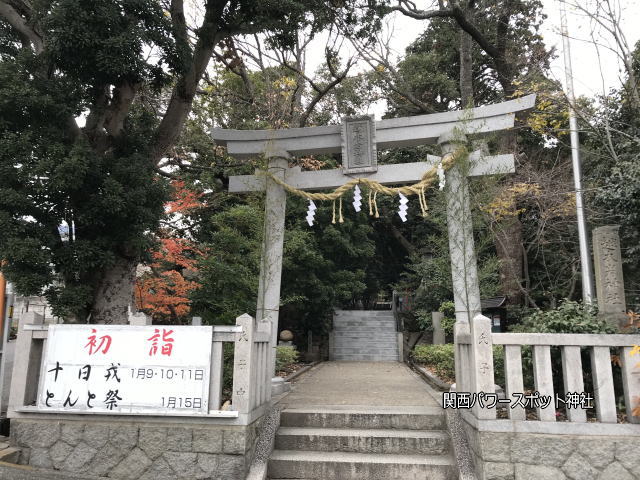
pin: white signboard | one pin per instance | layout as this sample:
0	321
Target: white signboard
126	369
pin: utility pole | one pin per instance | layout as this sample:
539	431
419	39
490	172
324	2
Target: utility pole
585	256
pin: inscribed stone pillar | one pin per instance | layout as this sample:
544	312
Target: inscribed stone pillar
608	269
438	331
272	244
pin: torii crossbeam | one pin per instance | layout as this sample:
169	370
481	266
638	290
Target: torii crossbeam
390	133
278	145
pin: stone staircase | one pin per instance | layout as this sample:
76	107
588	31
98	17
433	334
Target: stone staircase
362	443
365	335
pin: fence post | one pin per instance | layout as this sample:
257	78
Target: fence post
513	379
462	361
265	365
543	381
603	385
572	379
631	383
243	365
216	377
482	362
26	363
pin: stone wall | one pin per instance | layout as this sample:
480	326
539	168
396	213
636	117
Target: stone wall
536	456
140	450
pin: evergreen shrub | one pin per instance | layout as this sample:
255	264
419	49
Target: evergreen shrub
285	356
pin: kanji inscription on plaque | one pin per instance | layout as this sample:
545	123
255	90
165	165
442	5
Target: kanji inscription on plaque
359	144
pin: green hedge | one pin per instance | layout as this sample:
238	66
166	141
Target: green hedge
442	359
439	357
285	356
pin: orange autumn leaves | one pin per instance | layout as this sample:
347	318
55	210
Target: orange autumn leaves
163	289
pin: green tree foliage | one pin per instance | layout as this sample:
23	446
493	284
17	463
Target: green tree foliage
324	266
507	49
429	267
569	317
612	171
105	202
132	70
229	271
530	217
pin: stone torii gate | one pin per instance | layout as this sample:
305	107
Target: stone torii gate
357	139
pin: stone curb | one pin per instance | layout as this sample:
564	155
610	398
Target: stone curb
266	438
429	377
304	369
264	444
459	441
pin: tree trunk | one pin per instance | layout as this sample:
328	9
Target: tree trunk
114	293
508	238
508	242
466	71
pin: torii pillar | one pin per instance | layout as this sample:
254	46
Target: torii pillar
464	265
272	247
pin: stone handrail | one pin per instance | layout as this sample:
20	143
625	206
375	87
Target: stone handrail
474	364
251	372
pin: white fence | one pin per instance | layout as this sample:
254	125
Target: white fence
475	370
251	368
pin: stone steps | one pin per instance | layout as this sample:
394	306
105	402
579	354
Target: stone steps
365	329
365	358
365	321
358	335
389	338
364	332
293	464
362	313
357	443
364	335
370	350
364	317
346	343
377	345
405	418
352	440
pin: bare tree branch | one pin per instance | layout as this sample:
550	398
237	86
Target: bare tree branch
183	93
388	73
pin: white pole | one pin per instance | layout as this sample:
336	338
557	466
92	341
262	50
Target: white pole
585	255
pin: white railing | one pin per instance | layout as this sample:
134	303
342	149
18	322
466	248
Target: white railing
251	367
475	370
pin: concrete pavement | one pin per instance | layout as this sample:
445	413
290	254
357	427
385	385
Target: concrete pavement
390	384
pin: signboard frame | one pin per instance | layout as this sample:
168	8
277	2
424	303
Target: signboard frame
203	334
